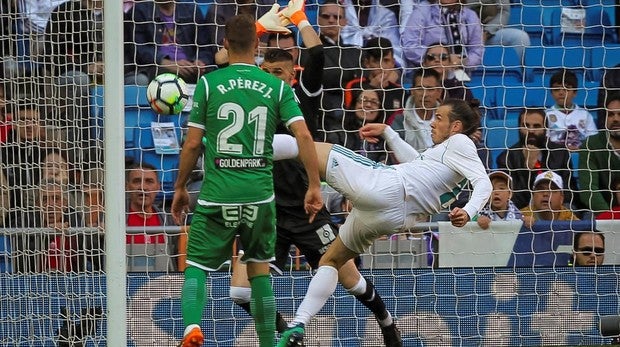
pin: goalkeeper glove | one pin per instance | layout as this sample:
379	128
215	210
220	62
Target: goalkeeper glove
295	13
271	22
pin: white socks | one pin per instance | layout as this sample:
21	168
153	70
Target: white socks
284	147
240	295
321	287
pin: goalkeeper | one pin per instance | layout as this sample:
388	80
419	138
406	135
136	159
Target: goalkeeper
290	180
389	199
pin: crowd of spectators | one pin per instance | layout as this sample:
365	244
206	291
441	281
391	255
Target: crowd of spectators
385	64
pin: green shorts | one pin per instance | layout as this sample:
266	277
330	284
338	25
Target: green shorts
214	228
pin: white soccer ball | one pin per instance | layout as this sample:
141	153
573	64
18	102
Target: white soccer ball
167	94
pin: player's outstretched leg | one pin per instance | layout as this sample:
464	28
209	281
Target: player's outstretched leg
193	301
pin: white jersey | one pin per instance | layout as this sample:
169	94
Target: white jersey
572	128
435	178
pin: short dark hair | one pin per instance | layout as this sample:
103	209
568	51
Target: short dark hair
273	55
527	110
422	72
376	48
611	96
240	32
565	78
139	166
461	110
577	236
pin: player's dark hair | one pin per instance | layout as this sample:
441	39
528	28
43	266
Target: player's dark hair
240	32
273	55
564	78
460	110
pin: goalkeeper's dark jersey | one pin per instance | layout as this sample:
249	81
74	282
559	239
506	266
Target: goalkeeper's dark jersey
290	179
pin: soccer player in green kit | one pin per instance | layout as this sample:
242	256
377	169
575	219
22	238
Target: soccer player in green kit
237	109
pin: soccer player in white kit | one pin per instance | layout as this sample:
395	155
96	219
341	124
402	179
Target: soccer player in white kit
388	199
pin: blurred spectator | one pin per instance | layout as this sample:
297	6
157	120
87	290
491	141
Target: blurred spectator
20	157
5	115
610	84
74	53
75	42
367	19
446	22
414	123
532	155
342	64
547	200
380	72
94	198
500	207
588	248
494	16
56	165
285	42
599	164
142	185
568	124
221	10
365	109
169	36
614	213
29	25
5	198
437	56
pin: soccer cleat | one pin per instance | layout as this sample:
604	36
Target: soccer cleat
391	336
292	337
193	337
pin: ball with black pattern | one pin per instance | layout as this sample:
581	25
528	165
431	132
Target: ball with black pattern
167	94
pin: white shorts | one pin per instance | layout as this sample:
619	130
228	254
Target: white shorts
376	191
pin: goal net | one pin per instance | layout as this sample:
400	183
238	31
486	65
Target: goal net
510	284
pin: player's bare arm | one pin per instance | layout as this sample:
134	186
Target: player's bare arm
307	154
189	156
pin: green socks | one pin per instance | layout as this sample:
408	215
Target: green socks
263	307
193	295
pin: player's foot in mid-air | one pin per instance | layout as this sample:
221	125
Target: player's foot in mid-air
292	337
391	336
192	337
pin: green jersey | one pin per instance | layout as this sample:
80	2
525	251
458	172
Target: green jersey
239	108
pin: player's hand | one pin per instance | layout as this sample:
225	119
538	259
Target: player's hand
483	222
528	221
313	202
271	22
372	131
294	12
458	217
180	205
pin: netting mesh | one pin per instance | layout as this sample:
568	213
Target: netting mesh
506	285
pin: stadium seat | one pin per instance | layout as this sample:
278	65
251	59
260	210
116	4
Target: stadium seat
597	32
500	66
500	134
548	60
600	59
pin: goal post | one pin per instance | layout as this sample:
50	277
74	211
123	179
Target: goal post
115	219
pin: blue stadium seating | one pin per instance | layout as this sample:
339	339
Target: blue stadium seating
500	134
548	60
600	59
501	66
